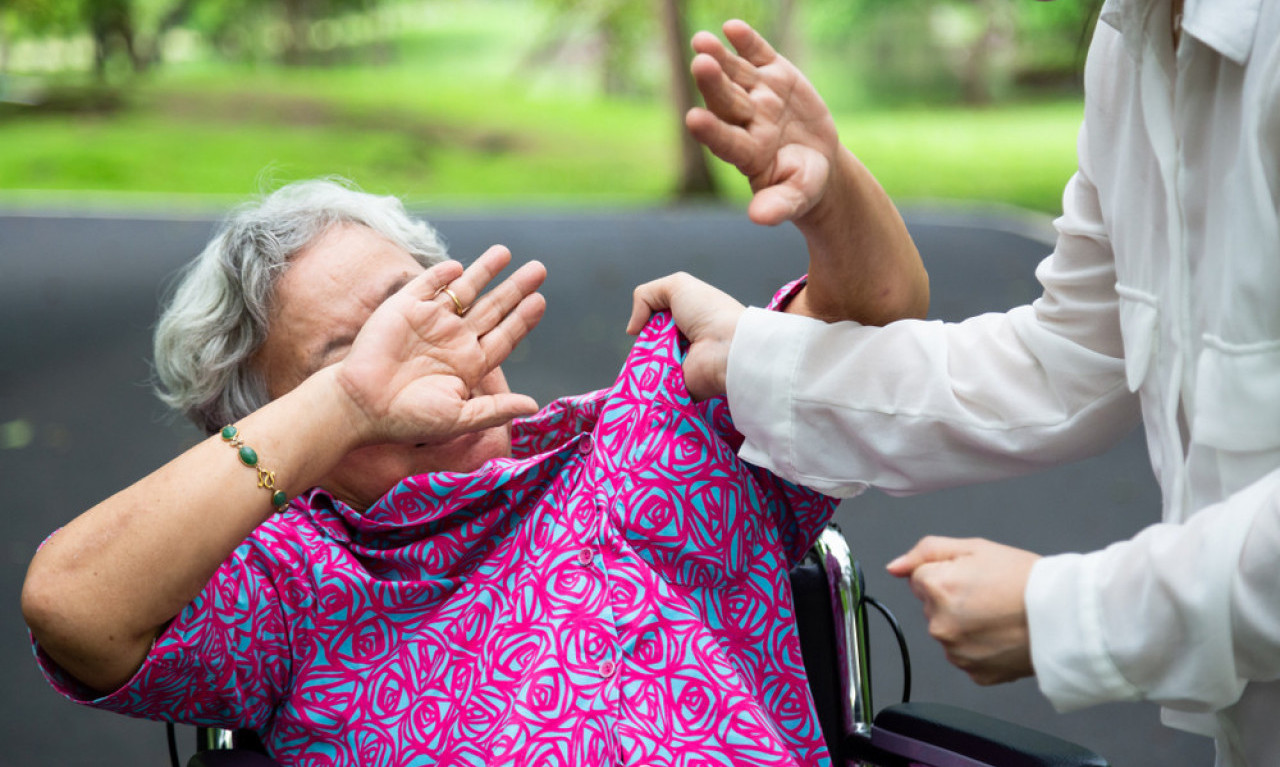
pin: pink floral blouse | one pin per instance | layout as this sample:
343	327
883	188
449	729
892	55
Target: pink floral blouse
616	593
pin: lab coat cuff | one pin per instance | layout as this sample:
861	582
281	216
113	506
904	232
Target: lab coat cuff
1068	649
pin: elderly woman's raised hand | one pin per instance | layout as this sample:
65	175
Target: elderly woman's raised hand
766	119
415	370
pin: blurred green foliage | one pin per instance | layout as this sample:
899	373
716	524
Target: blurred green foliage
512	100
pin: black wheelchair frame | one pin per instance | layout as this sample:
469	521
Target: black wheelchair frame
831	617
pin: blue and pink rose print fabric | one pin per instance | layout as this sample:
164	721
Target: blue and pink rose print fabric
614	594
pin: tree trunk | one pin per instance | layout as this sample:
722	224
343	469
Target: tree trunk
176	16
4	49
101	51
981	68
613	60
975	83
137	61
296	18
695	174
784	33
110	23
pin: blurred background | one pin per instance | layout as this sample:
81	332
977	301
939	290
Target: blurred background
533	101
128	127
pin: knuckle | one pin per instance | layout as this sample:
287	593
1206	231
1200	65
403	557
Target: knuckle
963	662
921	590
929	542
943	631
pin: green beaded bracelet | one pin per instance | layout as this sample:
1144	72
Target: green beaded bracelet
249	457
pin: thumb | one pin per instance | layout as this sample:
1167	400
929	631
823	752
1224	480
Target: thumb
799	180
774	204
932	548
649	298
489	410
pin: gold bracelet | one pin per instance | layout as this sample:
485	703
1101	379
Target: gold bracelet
249	457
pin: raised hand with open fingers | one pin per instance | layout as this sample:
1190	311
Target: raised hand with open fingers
413	369
765	118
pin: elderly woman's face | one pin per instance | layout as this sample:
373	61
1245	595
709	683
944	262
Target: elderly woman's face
321	302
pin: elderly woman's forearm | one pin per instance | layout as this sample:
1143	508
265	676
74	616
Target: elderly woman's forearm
100	590
863	264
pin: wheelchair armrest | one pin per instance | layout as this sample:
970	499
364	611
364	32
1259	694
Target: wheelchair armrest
235	757
937	734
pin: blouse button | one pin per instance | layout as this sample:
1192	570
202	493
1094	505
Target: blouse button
586	556
586	445
606	668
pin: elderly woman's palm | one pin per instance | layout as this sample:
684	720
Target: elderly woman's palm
414	369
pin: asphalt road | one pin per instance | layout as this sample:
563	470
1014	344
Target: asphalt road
77	422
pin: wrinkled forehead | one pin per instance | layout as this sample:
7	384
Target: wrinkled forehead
325	296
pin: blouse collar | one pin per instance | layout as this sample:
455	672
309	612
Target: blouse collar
1227	26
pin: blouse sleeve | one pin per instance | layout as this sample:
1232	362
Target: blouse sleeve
224	661
1183	615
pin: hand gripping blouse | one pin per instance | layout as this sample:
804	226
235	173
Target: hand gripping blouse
615	593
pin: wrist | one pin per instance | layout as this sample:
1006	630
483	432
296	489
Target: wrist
331	404
801	303
728	330
719	376
863	263
707	367
830	217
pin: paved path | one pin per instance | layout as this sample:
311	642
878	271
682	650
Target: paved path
77	421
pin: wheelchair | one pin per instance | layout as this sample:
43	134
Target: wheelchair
831	617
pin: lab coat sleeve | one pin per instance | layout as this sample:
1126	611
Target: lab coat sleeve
921	405
1183	615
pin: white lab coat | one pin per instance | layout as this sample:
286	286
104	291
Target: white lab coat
1161	299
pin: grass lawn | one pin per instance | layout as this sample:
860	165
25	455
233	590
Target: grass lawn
1018	155
461	119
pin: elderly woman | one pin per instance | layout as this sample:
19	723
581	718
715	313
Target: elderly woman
367	561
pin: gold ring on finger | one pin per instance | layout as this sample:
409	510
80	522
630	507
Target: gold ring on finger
458	308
